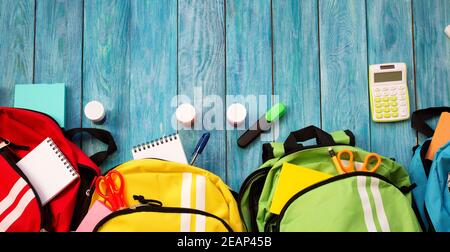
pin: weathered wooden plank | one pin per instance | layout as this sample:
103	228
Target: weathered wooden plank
248	73
153	71
389	37
201	67
343	64
296	63
432	49
59	27
16	46
106	71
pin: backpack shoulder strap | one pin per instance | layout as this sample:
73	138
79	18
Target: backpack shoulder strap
277	149
419	117
100	134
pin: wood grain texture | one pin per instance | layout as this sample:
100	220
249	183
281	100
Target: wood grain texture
343	64
432	51
296	63
59	27
389	37
106	72
201	64
248	72
16	47
130	55
153	71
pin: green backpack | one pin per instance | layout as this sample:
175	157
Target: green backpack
357	201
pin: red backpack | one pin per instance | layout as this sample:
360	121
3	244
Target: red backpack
21	131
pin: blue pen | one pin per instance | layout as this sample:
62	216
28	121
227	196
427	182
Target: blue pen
200	146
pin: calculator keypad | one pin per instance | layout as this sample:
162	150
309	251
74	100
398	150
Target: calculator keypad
390	102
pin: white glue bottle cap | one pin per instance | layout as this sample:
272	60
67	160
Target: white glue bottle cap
447	31
95	112
236	114
185	114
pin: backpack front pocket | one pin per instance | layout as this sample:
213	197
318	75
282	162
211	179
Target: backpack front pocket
356	202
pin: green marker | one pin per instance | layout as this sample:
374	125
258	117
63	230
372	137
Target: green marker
275	112
263	124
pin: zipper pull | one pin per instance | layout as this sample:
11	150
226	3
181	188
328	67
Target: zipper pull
448	181
146	202
4	143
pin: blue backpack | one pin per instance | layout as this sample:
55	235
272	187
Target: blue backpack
432	195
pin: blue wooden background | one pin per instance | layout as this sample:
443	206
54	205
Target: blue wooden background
134	56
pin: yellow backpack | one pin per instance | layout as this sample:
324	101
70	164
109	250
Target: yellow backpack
193	200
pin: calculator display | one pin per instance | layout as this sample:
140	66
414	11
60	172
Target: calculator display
388	76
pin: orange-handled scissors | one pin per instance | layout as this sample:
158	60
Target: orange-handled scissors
108	188
351	164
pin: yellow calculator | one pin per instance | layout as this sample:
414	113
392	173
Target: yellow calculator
388	88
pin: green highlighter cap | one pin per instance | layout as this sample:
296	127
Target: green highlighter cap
276	112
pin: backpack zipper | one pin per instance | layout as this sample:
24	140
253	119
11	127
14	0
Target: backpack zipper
275	220
249	181
4	144
430	223
83	205
44	225
448	181
158	209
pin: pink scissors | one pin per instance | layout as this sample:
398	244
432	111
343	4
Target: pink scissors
112	192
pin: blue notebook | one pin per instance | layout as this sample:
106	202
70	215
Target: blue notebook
46	98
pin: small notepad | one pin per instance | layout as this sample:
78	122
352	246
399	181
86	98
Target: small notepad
167	148
293	179
48	170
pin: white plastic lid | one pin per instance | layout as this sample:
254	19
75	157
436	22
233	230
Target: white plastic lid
447	31
185	113
94	111
236	114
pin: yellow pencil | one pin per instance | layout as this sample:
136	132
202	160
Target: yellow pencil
335	160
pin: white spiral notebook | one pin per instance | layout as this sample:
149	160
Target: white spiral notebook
167	148
48	170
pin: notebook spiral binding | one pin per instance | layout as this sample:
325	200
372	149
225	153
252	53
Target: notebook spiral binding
155	142
61	156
